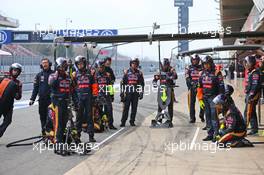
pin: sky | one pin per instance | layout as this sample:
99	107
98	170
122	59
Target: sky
129	17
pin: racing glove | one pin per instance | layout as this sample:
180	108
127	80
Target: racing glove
222	132
141	94
154	84
95	99
201	103
217	138
31	102
112	98
122	97
250	98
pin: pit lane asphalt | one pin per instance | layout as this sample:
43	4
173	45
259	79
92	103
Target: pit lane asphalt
25	160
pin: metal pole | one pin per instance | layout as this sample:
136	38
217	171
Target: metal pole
161	37
259	110
235	76
66	53
87	54
142	51
1	64
115	59
172	50
159	55
55	56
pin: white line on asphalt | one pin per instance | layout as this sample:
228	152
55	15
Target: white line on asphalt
194	138
22	104
97	145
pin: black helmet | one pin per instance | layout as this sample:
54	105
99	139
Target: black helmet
134	60
79	59
15	66
208	59
62	63
69	61
99	63
228	90
251	60
166	61
195	57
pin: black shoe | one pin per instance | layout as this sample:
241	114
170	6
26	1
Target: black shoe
78	140
171	125
112	127
208	138
60	150
202	119
214	140
43	133
64	152
122	125
192	121
91	139
253	133
57	151
132	124
204	128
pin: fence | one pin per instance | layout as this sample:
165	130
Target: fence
31	66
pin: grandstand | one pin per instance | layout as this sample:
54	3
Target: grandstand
18	50
8	22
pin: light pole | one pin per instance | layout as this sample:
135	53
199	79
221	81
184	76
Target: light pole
67	45
87	53
172	50
155	27
115	51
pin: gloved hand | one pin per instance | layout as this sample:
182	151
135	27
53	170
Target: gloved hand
112	98
154	84
122	97
193	84
201	103
75	108
56	75
1	78
217	138
250	98
31	102
188	86
222	126
95	99
141	94
221	132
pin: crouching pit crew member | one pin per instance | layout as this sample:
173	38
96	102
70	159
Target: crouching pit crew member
233	130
